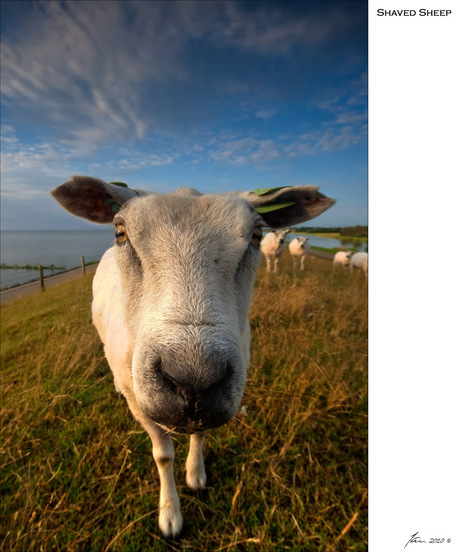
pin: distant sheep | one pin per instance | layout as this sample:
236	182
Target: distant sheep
342	258
272	246
298	248
359	260
171	301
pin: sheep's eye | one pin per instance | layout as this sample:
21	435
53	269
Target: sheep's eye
256	237
120	233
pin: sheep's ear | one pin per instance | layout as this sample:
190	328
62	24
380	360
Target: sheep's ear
288	206
91	198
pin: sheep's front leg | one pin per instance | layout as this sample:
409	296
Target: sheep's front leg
170	517
302	263
277	260
269	263
194	466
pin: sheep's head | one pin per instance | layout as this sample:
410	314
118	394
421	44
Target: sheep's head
187	263
302	242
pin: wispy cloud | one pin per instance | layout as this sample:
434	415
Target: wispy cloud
252	151
101	71
266	113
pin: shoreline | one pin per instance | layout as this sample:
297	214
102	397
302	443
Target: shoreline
11	294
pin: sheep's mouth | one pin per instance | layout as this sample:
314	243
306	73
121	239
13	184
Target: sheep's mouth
191	413
189	429
188	425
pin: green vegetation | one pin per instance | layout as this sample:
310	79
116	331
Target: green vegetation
315	230
330	250
32	267
355	231
345	233
289	472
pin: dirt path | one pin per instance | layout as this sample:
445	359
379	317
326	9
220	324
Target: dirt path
11	294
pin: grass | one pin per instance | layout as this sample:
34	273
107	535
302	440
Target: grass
31	267
289	472
334	235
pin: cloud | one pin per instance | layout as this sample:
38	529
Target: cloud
97	72
277	31
85	66
8	135
266	113
258	152
138	161
41	158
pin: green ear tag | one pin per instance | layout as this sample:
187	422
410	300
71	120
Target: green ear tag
263	191
112	204
274	207
122	184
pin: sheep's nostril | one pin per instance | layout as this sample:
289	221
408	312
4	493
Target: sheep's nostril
182	379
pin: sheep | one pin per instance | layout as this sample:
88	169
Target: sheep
272	246
299	248
359	260
171	301
342	258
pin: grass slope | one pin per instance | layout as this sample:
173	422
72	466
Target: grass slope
289	472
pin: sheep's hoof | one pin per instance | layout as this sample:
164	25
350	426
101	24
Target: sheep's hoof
170	523
196	480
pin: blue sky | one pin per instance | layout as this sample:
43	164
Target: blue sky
214	95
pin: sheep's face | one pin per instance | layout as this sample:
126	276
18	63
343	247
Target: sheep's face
302	243
280	237
274	242
188	264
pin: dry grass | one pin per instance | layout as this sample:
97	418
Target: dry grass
288	473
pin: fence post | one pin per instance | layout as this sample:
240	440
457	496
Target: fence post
42	280
83	267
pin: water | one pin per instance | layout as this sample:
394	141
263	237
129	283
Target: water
330	243
64	248
59	248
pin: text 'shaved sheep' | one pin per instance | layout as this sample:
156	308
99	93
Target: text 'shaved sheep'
298	248
273	244
171	301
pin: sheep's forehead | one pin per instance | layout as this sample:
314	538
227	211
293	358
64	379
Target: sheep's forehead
188	215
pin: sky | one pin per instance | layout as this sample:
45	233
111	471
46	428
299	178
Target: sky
218	96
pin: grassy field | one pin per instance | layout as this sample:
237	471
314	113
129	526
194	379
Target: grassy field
289	472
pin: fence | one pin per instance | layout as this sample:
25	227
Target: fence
36	275
42	278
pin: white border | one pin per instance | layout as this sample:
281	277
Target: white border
414	276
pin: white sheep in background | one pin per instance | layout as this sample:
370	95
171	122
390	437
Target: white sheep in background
298	248
171	301
272	246
342	258
359	260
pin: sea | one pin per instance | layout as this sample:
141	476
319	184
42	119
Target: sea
64	250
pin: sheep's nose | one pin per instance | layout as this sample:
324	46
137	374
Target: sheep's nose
194	391
281	242
193	382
